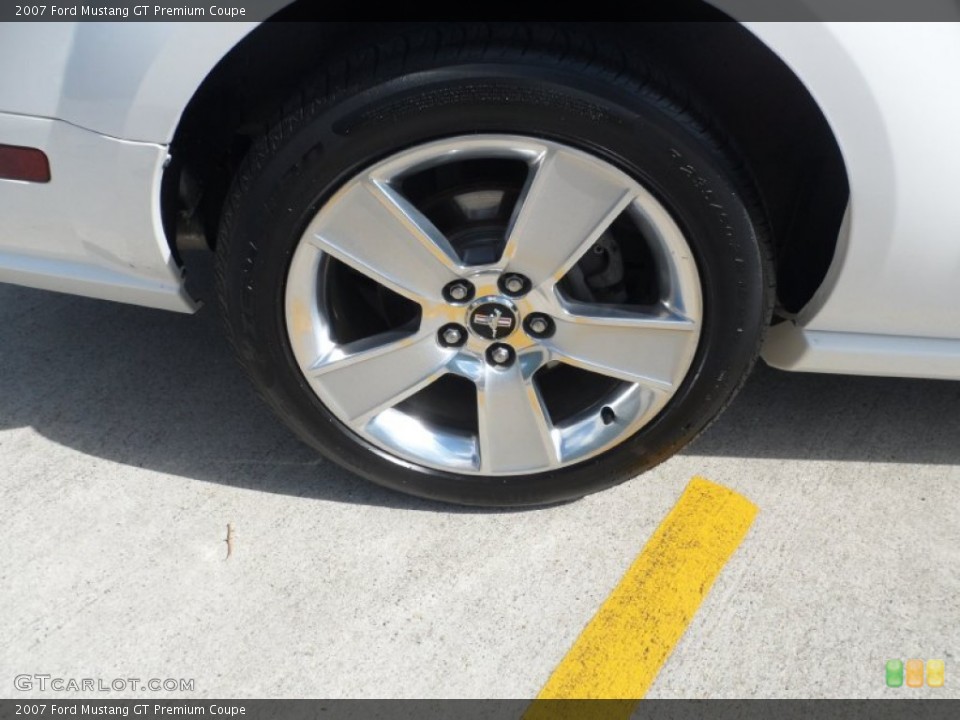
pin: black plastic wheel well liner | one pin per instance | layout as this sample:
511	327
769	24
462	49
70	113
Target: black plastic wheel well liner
735	83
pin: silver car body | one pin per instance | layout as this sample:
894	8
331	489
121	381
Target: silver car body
104	106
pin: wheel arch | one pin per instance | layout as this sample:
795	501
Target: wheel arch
781	135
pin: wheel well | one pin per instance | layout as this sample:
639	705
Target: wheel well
741	87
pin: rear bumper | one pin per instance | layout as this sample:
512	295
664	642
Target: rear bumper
95	229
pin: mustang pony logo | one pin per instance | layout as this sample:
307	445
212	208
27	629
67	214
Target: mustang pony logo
491	319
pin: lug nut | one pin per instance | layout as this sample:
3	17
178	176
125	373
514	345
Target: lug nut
501	355
452	335
514	284
539	325
458	291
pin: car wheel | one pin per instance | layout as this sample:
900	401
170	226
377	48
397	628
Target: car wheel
493	273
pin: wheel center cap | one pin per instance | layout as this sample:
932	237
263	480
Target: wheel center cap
491	319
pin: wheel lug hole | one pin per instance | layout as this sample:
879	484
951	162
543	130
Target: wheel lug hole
458	291
514	284
452	335
539	325
501	355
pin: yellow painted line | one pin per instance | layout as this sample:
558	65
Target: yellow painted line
620	652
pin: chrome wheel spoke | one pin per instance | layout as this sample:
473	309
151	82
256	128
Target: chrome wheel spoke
567	204
653	350
514	426
367	377
374	230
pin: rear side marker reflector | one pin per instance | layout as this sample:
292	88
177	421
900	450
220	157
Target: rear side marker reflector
23	163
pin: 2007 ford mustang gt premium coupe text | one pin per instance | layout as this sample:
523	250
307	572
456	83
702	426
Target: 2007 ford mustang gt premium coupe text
500	263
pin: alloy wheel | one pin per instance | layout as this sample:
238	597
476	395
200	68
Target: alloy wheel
493	305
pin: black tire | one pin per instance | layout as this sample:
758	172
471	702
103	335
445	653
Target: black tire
438	83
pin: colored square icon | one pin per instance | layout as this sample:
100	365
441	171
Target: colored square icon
914	673
894	673
935	673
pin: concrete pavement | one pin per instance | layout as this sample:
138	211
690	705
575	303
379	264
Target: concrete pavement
129	440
